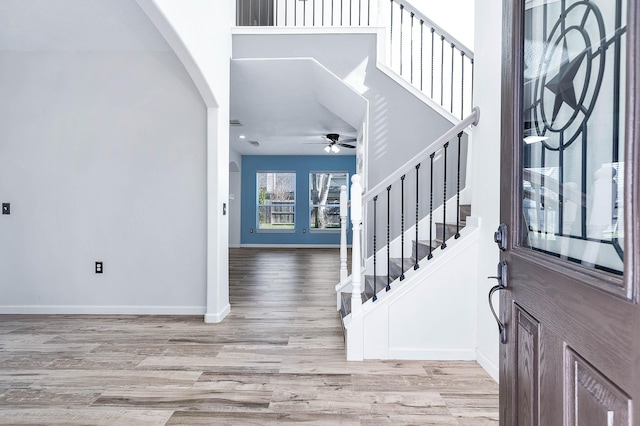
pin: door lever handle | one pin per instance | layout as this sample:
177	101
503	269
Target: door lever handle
502	285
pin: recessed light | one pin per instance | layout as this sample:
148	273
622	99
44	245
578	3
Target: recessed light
241	136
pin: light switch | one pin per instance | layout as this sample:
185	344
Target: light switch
6	208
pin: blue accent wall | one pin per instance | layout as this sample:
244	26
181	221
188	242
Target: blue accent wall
302	165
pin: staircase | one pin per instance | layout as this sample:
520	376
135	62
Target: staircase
398	266
417	93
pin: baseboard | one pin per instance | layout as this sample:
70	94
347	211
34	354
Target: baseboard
235	245
100	310
214	318
291	245
489	367
433	354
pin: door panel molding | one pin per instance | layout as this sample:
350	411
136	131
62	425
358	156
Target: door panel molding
528	362
592	398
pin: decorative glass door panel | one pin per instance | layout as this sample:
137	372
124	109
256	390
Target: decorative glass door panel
573	125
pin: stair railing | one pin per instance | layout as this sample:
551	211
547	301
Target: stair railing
384	191
296	13
435	62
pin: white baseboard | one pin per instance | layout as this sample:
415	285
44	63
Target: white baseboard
489	367
291	245
235	245
433	354
101	310
214	318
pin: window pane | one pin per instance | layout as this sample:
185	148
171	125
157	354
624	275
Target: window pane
324	200
276	200
573	140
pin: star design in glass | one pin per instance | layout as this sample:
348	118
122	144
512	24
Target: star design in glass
562	84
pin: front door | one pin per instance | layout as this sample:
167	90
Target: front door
570	198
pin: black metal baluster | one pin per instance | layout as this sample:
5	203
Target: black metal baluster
402	227
259	13
401	25
444	204
275	14
350	11
368	12
472	71
432	58
388	238
359	12
417	265
375	247
442	71
295	13
391	38
421	52
250	17
341	11
332	12
286	10
462	87
313	15
323	13
304	13
411	48
430	256
453	46
458	189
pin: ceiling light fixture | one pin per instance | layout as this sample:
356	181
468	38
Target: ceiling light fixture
327	149
335	149
241	136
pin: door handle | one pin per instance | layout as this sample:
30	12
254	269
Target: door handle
502	285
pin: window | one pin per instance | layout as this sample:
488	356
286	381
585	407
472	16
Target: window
324	205
276	200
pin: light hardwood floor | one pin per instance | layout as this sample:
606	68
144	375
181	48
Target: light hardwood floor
278	358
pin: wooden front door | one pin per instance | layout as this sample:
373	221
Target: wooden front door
570	199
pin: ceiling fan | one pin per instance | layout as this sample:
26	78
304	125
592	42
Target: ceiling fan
333	142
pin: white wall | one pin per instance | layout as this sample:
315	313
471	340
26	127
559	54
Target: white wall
102	157
455	18
235	205
485	180
199	32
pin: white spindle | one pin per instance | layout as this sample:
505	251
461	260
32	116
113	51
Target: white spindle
356	219
343	233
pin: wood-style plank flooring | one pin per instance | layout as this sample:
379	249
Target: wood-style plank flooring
278	358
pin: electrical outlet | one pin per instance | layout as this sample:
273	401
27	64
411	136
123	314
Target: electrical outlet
98	267
6	208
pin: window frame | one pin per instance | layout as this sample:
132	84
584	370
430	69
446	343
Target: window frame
258	204
311	205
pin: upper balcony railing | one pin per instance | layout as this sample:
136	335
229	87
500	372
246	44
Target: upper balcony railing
421	52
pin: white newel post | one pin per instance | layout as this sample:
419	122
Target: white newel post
343	233
356	220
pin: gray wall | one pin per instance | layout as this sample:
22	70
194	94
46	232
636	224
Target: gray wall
235	206
103	157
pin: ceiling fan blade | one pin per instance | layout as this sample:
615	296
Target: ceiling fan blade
349	140
346	145
315	143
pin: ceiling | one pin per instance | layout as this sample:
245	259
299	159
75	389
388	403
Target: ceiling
281	105
284	105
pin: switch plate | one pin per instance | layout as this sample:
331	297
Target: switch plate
6	208
98	267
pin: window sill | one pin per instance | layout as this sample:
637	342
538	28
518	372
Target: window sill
275	231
